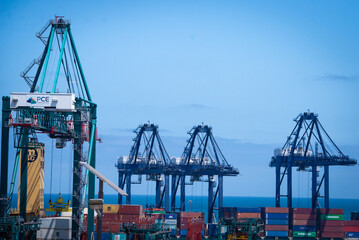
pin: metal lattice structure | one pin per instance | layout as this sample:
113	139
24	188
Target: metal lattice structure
307	148
77	125
201	157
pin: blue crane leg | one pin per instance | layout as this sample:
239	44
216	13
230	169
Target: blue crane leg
326	186
289	185
167	193
210	199
120	177
314	186
128	188
173	193
220	191
183	193
277	184
158	192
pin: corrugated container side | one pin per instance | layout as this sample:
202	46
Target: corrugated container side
351	223
299	216
332	211
331	217
352	235
276	227
171	216
276	210
276	221
351	228
332	234
304	228
304	211
332	222
110	208
248	215
248	210
332	229
276	233
304	234
305	222
276	215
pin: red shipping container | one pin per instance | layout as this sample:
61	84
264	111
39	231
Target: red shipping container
351	223
331	229
304	211
304	216
351	229
332	234
305	222
130	209
332	223
276	210
192	214
332	211
276	227
248	215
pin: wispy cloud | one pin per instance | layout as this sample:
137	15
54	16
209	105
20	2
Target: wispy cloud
338	77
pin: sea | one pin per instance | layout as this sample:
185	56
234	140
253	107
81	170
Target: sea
200	203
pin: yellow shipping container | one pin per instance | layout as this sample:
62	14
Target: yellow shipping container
110	208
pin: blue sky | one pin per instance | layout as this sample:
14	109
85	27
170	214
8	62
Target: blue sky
246	68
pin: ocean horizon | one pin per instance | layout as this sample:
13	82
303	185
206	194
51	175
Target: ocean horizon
200	203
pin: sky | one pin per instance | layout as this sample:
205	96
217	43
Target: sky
246	68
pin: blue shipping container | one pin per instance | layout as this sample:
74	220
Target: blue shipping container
104	236
183	232
248	210
276	234
212	230
277	216
173	232
352	234
171	216
276	222
304	228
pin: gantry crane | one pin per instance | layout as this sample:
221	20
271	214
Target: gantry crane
308	147
69	115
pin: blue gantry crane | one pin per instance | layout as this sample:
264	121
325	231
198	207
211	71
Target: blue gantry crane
201	157
307	148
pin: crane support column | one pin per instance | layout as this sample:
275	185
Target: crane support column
4	149
120	185
158	191
326	186
220	191
277	184
314	187
210	199
167	193
128	188
173	192
23	173
183	193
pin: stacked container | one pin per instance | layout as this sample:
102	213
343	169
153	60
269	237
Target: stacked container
304	222
332	223
182	220
245	213
351	229
170	223
275	222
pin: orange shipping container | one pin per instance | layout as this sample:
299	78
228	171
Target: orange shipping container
248	215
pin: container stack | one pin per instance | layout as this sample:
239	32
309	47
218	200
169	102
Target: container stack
227	212
170	223
54	228
245	213
182	220
332	223
275	222
304	222
351	229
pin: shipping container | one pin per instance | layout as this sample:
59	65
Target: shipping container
276	221
171	216
351	228
300	216
351	223
276	233
304	234
170	221
332	228
304	228
276	215
304	211
248	215
130	209
110	208
276	227
276	210
248	210
183	232
331	217
352	234
332	222
332	234
332	211
305	222
354	216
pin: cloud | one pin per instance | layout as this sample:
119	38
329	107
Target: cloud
338	77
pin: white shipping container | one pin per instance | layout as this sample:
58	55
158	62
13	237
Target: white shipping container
53	234
56	223
49	101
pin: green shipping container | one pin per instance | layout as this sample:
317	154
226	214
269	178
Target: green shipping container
331	217
304	234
